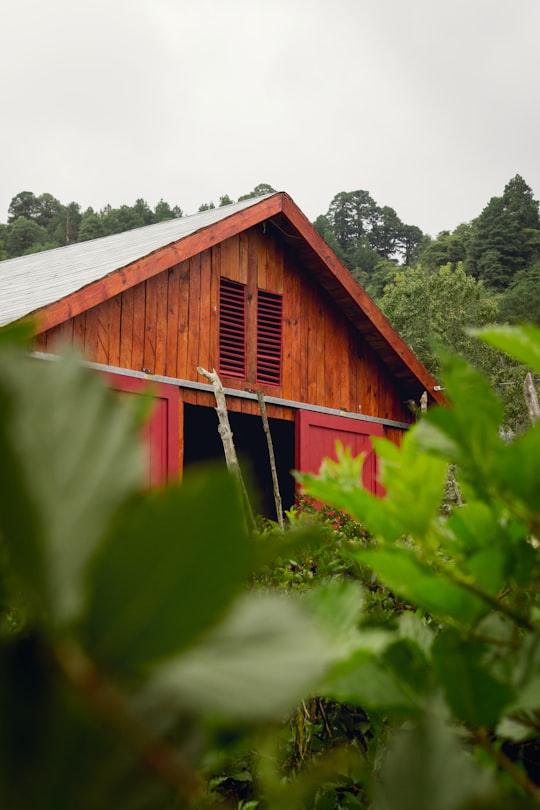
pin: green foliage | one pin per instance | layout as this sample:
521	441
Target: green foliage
362	233
463	669
502	240
259	190
22	234
521	301
407	634
42	223
453	301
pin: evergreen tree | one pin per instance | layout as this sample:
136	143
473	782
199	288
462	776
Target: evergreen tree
24	204
505	236
521	302
164	212
91	226
23	234
258	191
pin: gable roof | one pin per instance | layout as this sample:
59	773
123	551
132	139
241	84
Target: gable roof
58	284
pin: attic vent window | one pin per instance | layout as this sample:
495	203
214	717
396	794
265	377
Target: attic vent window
232	329
269	319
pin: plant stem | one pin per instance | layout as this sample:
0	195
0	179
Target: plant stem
521	778
107	700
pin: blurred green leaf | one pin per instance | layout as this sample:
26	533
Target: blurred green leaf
170	567
68	458
474	695
256	664
414	628
467	432
426	768
371	684
517	470
408	577
520	342
20	333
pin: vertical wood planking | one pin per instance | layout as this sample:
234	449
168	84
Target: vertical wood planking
262	260
230	259
311	359
150	327
213	328
194	327
297	342
79	331
139	314
279	266
320	371
40	342
91	339
126	328
354	372
115	330
183	319
205	312
248	258
288	338
60	337
103	312
171	347
161	283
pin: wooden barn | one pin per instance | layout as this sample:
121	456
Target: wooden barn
251	290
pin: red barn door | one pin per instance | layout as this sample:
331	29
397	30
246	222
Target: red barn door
160	433
316	436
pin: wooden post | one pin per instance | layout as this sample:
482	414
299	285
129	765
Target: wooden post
224	429
531	398
275	482
423	403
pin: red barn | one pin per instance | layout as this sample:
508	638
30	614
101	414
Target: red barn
249	289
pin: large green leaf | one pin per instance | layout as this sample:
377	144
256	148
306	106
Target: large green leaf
427	769
517	472
68	457
370	683
520	342
169	568
473	694
408	577
264	657
467	432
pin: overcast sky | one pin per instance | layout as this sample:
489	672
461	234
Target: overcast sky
430	105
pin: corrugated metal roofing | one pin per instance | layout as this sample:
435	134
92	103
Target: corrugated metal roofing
28	283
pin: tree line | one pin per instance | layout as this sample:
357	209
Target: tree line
41	222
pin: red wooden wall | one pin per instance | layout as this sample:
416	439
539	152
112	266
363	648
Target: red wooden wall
316	437
168	325
160	433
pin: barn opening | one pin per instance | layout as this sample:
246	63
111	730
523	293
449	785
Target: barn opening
202	442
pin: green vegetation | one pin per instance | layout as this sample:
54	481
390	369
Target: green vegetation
42	222
382	655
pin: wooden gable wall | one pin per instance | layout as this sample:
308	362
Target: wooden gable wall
168	325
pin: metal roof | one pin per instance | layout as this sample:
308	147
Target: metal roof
28	283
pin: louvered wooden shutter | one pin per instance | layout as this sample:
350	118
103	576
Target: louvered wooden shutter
269	319
232	329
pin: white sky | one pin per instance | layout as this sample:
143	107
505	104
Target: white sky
430	105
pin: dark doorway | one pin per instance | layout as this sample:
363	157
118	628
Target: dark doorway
202	442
